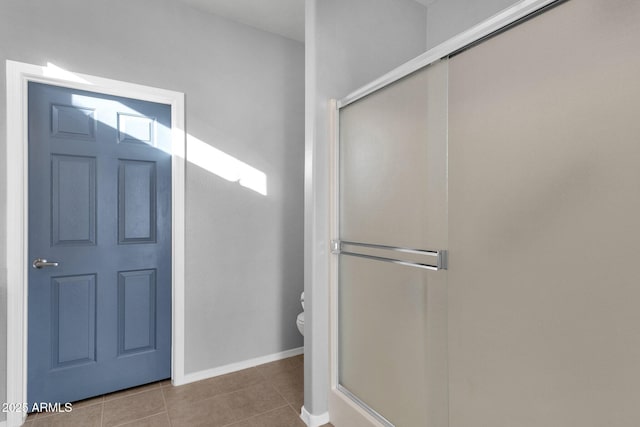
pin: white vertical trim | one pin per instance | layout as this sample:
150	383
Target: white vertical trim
16	248
334	231
178	184
316	246
18	76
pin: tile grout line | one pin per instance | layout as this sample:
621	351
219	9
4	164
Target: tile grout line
281	395
255	416
265	380
269	383
138	419
261	413
104	396
135	394
166	407
297	411
289	404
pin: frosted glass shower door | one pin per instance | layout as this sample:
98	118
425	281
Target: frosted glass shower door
392	241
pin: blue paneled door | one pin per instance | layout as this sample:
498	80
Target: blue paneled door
99	207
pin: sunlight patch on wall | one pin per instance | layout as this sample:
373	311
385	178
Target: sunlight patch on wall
198	152
225	166
55	72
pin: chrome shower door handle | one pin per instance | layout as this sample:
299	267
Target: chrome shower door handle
41	263
434	260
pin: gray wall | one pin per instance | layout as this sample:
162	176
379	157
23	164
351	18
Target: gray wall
349	43
446	18
244	92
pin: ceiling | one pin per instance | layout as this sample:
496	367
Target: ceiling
284	17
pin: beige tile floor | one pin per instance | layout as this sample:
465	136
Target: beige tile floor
268	395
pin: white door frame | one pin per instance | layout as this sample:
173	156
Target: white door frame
18	76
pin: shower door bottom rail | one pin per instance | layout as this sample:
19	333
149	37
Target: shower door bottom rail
385	422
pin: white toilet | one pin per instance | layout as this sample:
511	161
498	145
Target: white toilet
300	319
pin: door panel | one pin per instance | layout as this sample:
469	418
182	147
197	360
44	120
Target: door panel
73	122
73	200
99	206
544	206
137	204
136	311
392	317
73	320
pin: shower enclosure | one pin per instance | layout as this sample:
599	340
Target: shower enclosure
486	231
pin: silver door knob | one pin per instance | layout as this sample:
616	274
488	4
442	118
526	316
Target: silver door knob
41	263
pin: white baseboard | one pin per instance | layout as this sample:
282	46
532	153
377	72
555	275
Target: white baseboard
233	367
313	420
